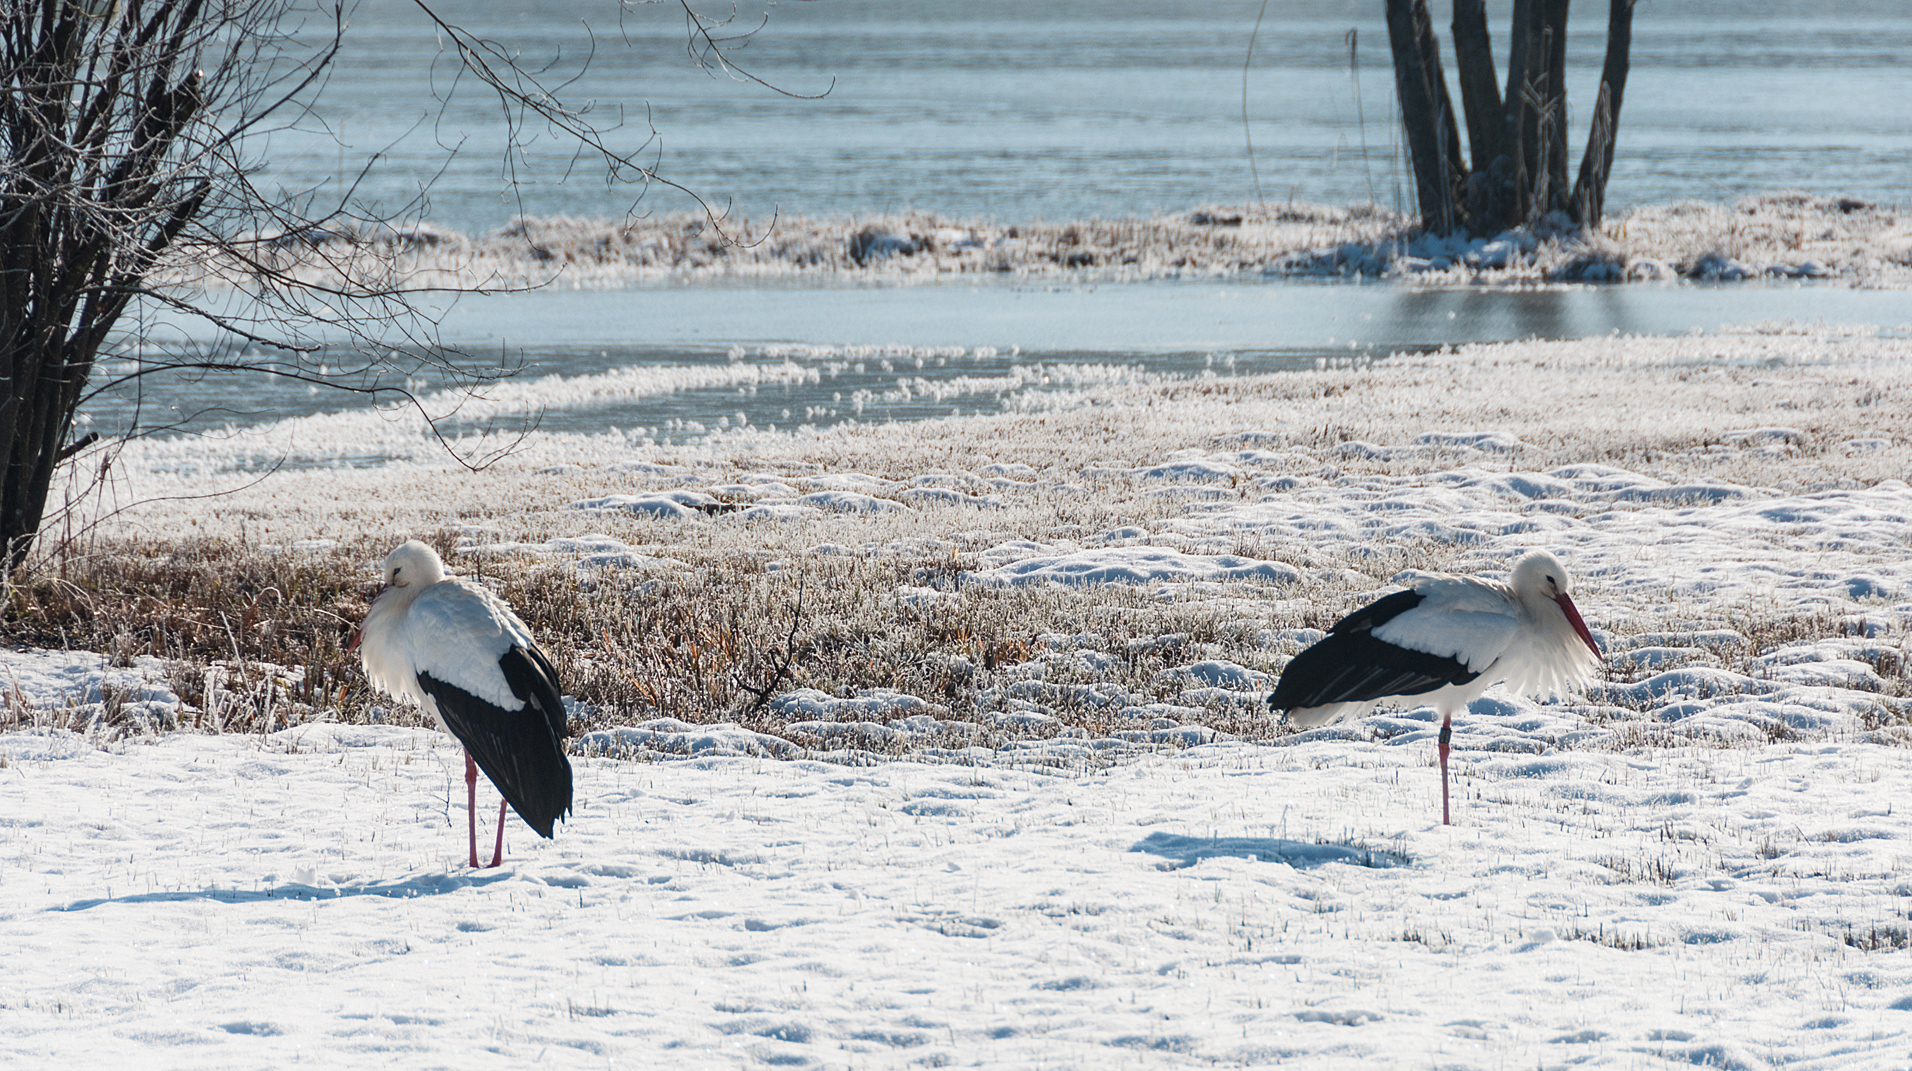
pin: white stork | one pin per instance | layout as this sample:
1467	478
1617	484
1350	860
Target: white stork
1443	641
456	649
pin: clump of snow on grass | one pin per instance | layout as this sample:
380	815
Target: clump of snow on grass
1132	565
663	506
848	502
82	691
881	703
669	736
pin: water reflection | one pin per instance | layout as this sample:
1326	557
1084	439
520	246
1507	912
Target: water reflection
911	353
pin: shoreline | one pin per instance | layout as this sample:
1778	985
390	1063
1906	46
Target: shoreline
1782	235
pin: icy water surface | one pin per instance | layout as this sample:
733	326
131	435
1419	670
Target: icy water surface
1077	109
682	362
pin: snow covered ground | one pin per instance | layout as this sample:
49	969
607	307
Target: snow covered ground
1700	862
239	901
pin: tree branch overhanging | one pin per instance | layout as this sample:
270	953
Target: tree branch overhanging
125	184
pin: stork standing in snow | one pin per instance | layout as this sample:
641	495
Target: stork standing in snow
457	650
1443	641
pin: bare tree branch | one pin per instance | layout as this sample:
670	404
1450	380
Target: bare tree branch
126	189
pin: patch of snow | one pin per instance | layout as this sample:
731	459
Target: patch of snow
849	502
82	689
669	736
1221	674
878	704
663	506
943	496
766	887
1133	565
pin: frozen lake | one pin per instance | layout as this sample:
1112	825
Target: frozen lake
908	353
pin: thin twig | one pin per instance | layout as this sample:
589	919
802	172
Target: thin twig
1246	136
1361	120
789	658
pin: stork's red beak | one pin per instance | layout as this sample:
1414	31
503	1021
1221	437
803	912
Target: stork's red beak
1573	618
359	634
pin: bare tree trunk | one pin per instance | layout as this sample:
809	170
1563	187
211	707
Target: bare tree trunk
97	184
1590	190
1480	94
1520	122
1427	114
1517	139
1535	134
1554	96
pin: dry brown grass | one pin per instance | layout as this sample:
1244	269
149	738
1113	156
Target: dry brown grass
270	631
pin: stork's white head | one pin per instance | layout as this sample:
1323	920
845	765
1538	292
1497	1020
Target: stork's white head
1539	578
413	566
1537	573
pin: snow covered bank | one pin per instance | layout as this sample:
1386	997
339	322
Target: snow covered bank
85	693
1791	235
227	902
1780	406
487	421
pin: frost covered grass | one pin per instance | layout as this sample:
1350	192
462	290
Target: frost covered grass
945	743
1789	235
1128	569
241	638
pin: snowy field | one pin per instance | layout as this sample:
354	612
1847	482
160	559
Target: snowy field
1062	862
202	902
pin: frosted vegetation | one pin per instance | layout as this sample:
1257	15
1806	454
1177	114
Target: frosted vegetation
1778	236
1125	569
1017	800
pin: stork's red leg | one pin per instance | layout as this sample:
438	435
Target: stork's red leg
498	853
471	806
1447	733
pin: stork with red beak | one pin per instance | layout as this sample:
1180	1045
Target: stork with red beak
456	649
1442	642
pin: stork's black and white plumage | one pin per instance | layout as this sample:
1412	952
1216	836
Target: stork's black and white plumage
1442	642
457	650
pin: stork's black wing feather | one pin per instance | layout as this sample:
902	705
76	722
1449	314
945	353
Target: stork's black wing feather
522	750
533	680
1379	612
1350	666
